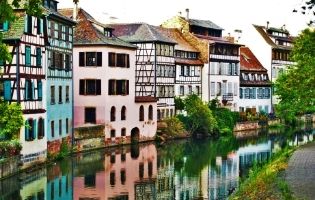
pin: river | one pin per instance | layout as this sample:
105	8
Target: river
181	169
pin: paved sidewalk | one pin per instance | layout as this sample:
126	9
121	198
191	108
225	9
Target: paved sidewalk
300	173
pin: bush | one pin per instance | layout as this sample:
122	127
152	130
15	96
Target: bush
174	127
10	148
226	120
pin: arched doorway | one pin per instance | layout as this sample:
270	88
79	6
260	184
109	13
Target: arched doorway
135	135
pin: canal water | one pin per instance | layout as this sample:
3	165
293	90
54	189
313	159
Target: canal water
182	169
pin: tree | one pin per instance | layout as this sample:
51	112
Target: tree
307	8
32	7
295	88
199	119
11	120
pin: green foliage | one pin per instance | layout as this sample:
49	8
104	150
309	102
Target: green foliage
226	119
264	181
199	119
64	150
295	88
179	103
32	7
11	120
174	127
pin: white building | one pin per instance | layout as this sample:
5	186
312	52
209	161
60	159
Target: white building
155	64
220	74
255	86
272	47
104	83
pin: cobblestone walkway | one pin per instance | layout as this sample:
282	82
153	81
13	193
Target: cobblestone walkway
300	173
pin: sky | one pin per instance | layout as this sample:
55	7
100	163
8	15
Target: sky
228	14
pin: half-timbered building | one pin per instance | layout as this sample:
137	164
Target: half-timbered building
59	77
104	84
155	64
220	75
188	66
255	86
23	80
272	46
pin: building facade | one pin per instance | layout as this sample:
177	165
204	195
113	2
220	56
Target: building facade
104	84
59	77
155	63
272	46
255	86
220	74
23	81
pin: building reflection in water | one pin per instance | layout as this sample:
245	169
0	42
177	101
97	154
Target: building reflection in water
125	173
180	170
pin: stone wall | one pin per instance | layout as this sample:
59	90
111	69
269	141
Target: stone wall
246	126
9	166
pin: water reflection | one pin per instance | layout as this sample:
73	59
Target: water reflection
185	169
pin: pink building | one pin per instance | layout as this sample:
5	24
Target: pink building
104	84
127	174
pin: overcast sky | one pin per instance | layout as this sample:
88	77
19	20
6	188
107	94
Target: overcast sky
229	14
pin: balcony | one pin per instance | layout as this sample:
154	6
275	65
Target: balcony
227	97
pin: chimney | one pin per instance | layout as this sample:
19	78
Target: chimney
75	10
283	27
187	13
267	25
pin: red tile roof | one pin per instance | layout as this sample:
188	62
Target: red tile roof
248	60
143	99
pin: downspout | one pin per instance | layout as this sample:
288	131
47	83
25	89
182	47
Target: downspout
18	73
272	87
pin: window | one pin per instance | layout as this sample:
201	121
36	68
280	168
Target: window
67	94
39	89
52	29
89	181
123	176
112	158
41	128
90	87
150	112
38	57
187	71
4	26
241	93
141	113
39	26
52	94
6	91
212	89
123	132
60	94
198	90
90	115
67	62
113	114
123	157
181	90
30	130
28	24
218	89
59	31
182	70
118	60
67	33
112	133
67	125
52	128
112	178
189	89
27	56
123	113
90	59
118	87
141	170
29	88
60	127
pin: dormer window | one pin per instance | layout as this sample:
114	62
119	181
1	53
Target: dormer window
108	32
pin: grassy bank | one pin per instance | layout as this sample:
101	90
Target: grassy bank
267	181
